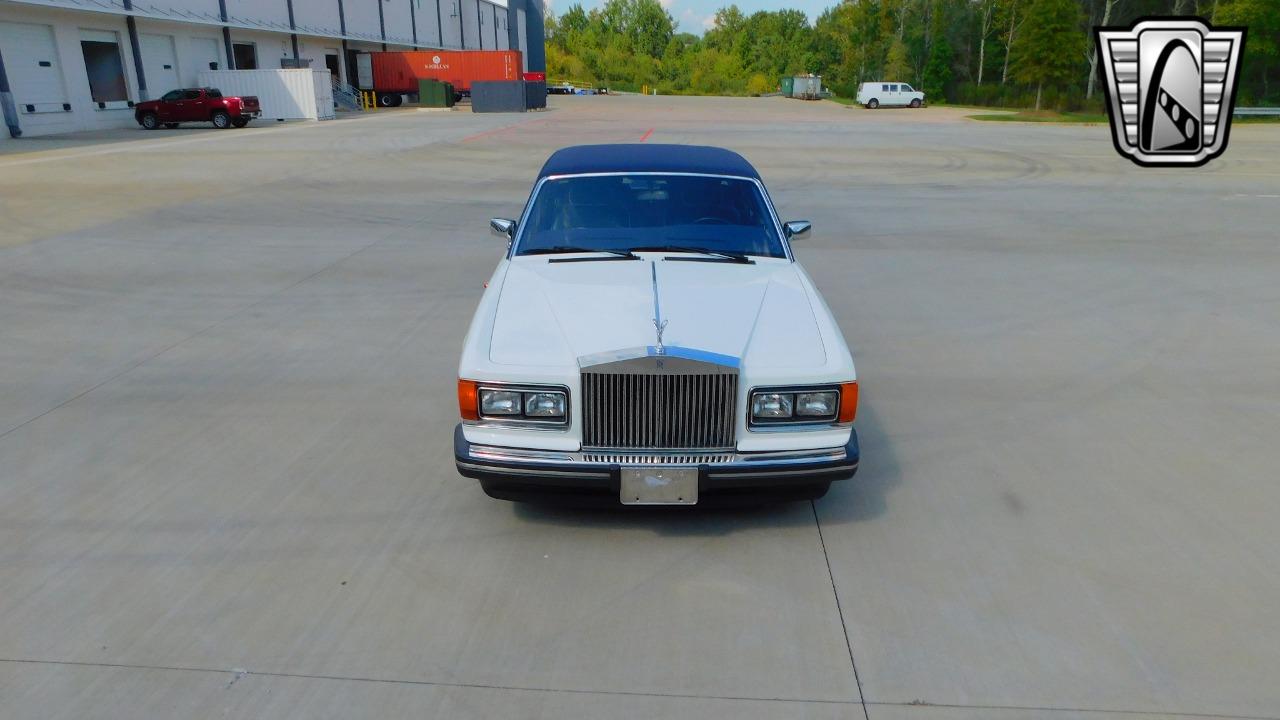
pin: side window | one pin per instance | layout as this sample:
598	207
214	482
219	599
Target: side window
190	94
893	88
172	96
214	93
884	88
906	88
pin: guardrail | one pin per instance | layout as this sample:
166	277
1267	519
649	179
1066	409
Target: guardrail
1256	111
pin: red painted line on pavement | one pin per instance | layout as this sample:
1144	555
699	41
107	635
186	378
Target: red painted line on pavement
487	133
504	129
646	135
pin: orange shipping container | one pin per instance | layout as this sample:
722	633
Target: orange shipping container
399	72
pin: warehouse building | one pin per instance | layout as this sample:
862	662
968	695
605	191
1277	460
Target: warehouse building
68	65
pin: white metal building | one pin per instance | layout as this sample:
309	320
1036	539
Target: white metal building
68	65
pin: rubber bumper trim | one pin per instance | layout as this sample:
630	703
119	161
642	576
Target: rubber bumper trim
607	477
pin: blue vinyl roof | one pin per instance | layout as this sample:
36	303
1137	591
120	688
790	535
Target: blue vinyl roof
643	157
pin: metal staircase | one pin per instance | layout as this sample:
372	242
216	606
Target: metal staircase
344	96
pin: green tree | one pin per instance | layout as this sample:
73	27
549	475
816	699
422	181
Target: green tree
1262	47
574	20
951	48
896	64
1052	46
938	70
937	73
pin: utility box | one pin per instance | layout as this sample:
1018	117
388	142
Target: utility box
498	96
535	94
788	85
433	93
806	87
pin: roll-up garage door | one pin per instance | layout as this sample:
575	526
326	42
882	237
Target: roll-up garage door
207	54
32	64
159	63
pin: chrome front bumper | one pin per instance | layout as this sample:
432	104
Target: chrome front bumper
600	471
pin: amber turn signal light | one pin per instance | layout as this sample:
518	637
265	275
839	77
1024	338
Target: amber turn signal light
848	402
469	399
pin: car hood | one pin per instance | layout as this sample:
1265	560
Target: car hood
552	314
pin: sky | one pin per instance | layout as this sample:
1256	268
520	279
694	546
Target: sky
695	16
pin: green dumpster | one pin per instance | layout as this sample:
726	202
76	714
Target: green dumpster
433	93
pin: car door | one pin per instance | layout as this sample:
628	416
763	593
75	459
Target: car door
905	94
167	107
192	106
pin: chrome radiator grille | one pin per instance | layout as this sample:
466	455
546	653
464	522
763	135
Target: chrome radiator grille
690	409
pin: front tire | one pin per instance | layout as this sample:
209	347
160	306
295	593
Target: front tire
221	120
872	104
240	122
149	121
390	100
915	103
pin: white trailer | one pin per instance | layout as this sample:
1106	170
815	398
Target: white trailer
287	94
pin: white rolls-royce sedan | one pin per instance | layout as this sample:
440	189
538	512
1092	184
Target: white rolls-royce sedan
648	339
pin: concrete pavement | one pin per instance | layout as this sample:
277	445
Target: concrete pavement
226	404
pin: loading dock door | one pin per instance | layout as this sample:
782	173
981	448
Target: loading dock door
246	55
104	66
31	62
207	52
159	63
353	72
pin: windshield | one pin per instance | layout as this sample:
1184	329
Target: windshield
625	212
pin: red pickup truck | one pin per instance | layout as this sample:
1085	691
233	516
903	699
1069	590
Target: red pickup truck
197	105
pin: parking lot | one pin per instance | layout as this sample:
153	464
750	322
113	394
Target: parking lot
227	366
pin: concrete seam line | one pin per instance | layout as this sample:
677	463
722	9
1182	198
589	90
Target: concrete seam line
839	610
1093	711
243	672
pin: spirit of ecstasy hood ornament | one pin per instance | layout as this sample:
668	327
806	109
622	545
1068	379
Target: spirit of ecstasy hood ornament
660	327
658	323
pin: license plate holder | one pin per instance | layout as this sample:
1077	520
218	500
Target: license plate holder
659	486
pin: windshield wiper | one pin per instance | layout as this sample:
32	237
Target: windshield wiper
565	249
720	255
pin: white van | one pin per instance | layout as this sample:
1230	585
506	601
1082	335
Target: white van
874	94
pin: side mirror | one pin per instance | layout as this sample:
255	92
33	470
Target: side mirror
503	227
796	228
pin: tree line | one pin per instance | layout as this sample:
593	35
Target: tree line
1015	53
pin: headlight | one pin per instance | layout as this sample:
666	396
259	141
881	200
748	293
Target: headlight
772	406
511	403
544	404
804	405
820	405
500	402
